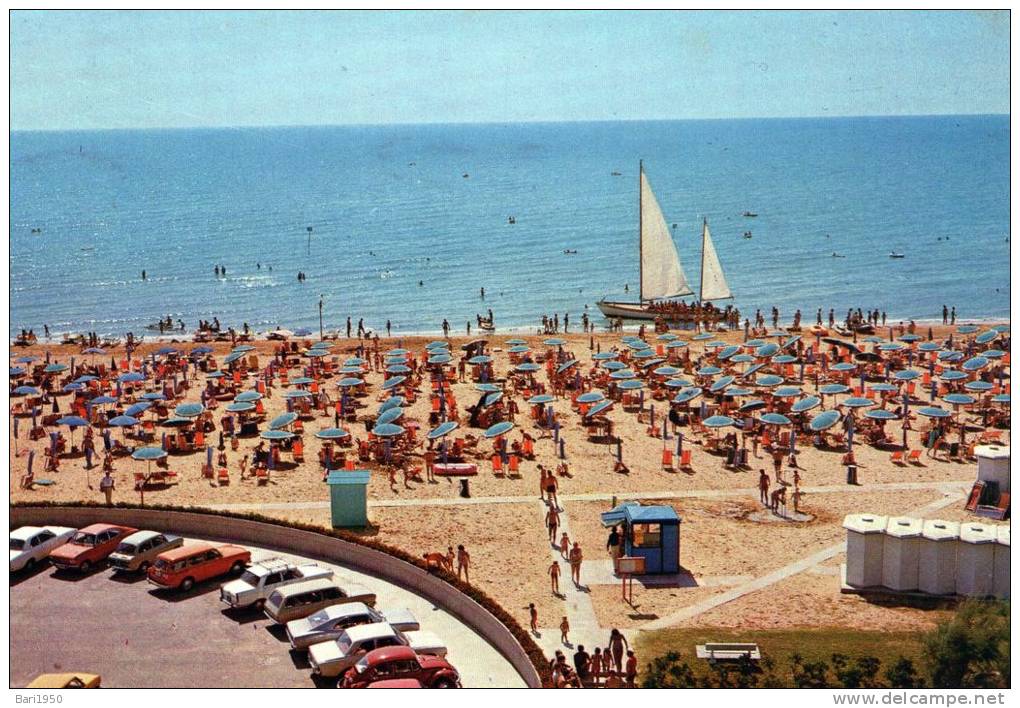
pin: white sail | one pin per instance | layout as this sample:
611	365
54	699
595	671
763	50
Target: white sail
661	273
713	282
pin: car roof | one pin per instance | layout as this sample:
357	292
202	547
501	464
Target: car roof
99	528
186	551
140	536
306	586
389	654
370	631
25	532
270	565
347	609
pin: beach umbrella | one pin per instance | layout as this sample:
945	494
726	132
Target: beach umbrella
791	341
768	380
622	374
479	359
708	371
906	375
678	383
55	368
282	420
437	346
391	402
177	421
314	353
975	364
715	344
721	383
492	399
86	378
540	399
123	421
753	368
198	351
631	385
686	395
148	454
598	408
911	338
676	344
702	337
72	421
959	399
880	414
554	342
950	356
978	386
767	350
806	404
355	371
1002	398
635	343
726	352
215	375
953	375
242	349
755	404
513	342
302	381
613	365
73	387
26	391
774	419
393	382
787	392
566	366
824	421
718	421
993	353
247	397
857	402
442	430
741	359
232	357
189	410
499	429
884	388
604	356
933	412
929	347
297	394
519	349
276	435
131	377
784	359
666	371
16	371
643	354
26	359
398	369
301	332
591	397
754	343
1001	328
137	409
986	337
843	366
167	351
103	400
397	352
487	387
387	430
527	367
331	434
891	346
737	391
240	407
352	382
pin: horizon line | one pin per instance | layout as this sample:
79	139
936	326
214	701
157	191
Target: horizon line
496	122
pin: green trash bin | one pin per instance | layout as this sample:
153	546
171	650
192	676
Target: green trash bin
348	498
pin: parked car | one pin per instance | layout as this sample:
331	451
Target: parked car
31	544
182	567
260	579
139	550
78	680
89	546
400	664
333	658
329	622
299	600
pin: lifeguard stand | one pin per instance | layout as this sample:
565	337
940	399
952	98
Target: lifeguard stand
348	498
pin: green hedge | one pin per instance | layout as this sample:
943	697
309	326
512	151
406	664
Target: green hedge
522	636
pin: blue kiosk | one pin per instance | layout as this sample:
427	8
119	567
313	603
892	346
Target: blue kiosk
649	532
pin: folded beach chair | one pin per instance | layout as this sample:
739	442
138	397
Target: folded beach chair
223	478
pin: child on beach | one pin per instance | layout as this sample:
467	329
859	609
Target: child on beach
564	630
564	545
463	563
554	577
533	616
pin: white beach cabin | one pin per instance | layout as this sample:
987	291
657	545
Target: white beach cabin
1001	584
937	570
901	550
864	540
975	560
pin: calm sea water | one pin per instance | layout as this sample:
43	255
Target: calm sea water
391	206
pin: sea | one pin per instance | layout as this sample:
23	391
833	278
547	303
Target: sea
408	223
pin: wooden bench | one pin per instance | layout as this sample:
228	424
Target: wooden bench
728	651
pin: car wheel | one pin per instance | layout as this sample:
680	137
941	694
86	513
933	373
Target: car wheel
237	567
187	584
85	567
443	683
30	566
259	604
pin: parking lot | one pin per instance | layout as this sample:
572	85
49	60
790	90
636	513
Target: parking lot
137	636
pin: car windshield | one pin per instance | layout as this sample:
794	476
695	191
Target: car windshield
318	618
84	539
162	564
127	548
344	642
276	599
362	665
250	578
17	544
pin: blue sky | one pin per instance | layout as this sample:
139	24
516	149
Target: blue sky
88	70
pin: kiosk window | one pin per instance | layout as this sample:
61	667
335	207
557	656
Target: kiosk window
647	535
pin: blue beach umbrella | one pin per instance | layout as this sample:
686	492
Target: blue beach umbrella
824	421
737	391
993	353
247	397
240	407
554	342
332	434
566	366
1002	398
148	454
527	367
86	378
604	356
513	342
282	420
975	364
499	429
16	371
189	410
834	389
953	375
741	359
215	375
393	382
784	359
492	399
540	399
718	421
26	391
843	366
702	337
678	383
631	385
950	356
787	392
519	349
686	395
398	369
123	421
73	387
487	387
721	383
986	337
715	344
137	409
103	400
754	343
613	365
622	374
387	430
667	337
598	409
929	347
276	435
857	402
352	382
313	353
297	394
884	388
72	421
755	404
643	354
392	402
880	414
906	375
806	404
302	381
709	371
911	338
198	351
676	344
131	377
959	399
933	412
666	371
727	352
591	397
768	380
242	349
774	419
55	368
978	386
479	359
752	369
767	350
177	421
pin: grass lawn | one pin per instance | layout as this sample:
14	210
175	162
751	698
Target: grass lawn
812	644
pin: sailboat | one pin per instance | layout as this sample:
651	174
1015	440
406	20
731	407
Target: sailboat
661	275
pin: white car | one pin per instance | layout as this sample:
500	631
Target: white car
329	623
31	544
335	657
260	579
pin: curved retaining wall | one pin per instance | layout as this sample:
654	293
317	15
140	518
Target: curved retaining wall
303	543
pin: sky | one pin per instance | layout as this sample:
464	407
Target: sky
118	69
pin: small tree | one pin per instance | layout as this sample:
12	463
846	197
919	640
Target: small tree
809	674
902	674
668	671
971	650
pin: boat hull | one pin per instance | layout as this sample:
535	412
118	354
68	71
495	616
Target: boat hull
626	310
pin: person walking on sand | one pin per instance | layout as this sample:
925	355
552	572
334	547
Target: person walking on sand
763	486
550	488
541	482
552	521
631	668
565	630
614	547
533	617
464	563
617	644
106	486
564	545
576	556
554	577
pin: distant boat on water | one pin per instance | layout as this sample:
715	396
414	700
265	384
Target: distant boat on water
662	276
750	214
894	254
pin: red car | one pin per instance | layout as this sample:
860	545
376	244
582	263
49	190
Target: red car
89	546
182	567
400	663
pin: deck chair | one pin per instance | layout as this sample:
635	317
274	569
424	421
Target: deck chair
497	465
897	457
667	460
222	478
298	451
685	460
915	457
515	464
262	476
